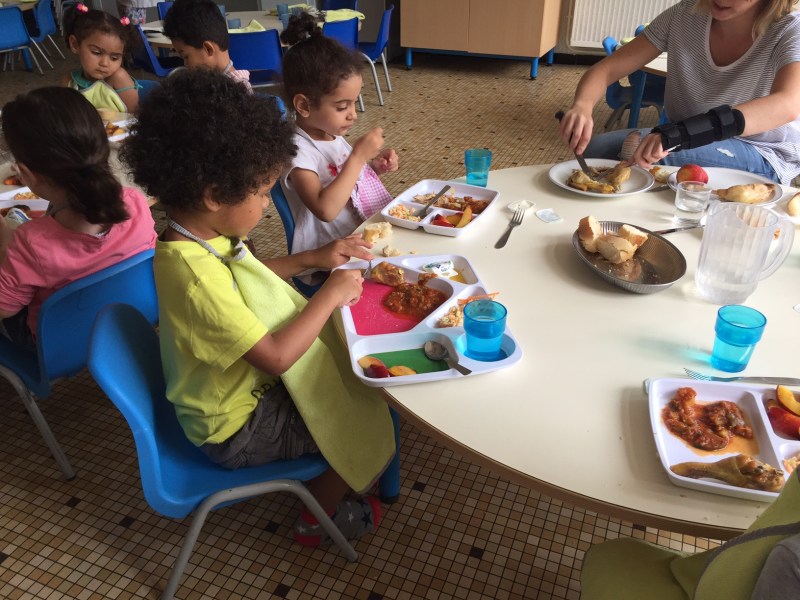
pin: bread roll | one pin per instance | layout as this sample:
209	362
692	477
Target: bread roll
377	231
793	206
633	235
660	174
615	249
588	232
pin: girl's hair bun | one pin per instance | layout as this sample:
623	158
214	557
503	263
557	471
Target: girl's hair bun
301	27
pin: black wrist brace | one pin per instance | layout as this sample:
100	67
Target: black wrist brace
718	124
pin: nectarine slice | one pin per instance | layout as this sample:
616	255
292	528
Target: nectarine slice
367	361
787	399
400	370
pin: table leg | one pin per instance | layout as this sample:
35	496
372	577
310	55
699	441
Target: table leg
636	100
550	56
534	67
408	59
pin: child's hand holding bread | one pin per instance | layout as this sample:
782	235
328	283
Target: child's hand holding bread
615	248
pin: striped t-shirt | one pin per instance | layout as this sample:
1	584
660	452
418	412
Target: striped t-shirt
695	84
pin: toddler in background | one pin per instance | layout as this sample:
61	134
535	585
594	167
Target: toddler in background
100	40
61	151
199	34
331	187
256	372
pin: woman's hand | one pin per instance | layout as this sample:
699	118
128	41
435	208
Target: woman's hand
576	128
649	151
338	252
386	162
344	286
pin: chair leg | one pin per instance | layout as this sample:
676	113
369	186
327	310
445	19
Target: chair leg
386	70
616	116
390	480
361	102
247	491
41	51
50	37
32	54
374	78
39	420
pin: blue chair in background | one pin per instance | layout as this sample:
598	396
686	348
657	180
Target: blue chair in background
346	33
14	36
145	58
147	86
260	53
62	335
372	51
620	97
177	477
163	9
340	4
46	24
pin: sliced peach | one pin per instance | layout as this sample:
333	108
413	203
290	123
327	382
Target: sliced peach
783	421
367	361
400	370
466	217
454	219
787	399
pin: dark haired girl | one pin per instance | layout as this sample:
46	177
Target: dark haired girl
331	186
99	40
59	144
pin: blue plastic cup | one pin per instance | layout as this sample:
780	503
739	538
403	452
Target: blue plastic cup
484	325
283	9
297	10
738	329
478	161
234	23
284	20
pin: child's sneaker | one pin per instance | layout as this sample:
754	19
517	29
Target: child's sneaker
353	517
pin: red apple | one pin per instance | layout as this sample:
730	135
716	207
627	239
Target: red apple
376	371
691	173
783	421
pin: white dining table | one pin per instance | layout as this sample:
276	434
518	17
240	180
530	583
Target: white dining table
571	419
154	30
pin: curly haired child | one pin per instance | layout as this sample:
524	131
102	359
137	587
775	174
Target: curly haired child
256	372
60	147
100	41
199	34
331	187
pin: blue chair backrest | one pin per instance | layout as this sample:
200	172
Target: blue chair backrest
256	51
13	33
285	213
144	57
66	318
344	32
163	9
147	86
339	4
43	15
383	32
609	45
639	29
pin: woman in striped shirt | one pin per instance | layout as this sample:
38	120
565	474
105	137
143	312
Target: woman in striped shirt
732	94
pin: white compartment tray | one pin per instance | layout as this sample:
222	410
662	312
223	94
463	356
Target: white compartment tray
7	200
432	186
363	341
773	448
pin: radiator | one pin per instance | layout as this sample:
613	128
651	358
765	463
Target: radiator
593	20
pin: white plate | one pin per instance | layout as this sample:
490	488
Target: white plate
431	186
640	180
773	448
719	178
780	208
452	338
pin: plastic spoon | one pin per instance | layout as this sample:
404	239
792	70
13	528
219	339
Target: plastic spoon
435	351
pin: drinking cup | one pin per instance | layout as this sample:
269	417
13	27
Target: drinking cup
234	23
691	200
283	9
478	161
739	249
484	325
297	10
738	329
284	20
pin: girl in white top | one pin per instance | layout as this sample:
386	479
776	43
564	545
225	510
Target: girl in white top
331	187
741	53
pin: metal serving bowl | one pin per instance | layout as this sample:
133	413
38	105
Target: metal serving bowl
656	265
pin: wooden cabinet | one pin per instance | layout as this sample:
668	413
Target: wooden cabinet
508	28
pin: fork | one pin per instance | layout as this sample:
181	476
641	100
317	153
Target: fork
769	380
368	272
516	219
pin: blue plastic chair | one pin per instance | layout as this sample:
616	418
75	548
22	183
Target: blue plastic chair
145	58
147	86
346	33
163	9
377	49
177	477
43	15
62	335
619	97
14	36
260	53
340	4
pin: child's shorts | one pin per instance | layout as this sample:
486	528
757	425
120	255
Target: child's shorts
275	431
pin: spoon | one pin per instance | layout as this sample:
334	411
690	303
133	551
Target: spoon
435	351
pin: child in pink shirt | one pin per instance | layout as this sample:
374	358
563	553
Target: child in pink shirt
61	151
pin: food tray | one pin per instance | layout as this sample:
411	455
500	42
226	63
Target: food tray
126	123
432	186
7	200
773	447
372	329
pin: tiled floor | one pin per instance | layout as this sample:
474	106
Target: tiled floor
458	531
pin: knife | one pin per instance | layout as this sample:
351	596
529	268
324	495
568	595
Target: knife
579	157
676	229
